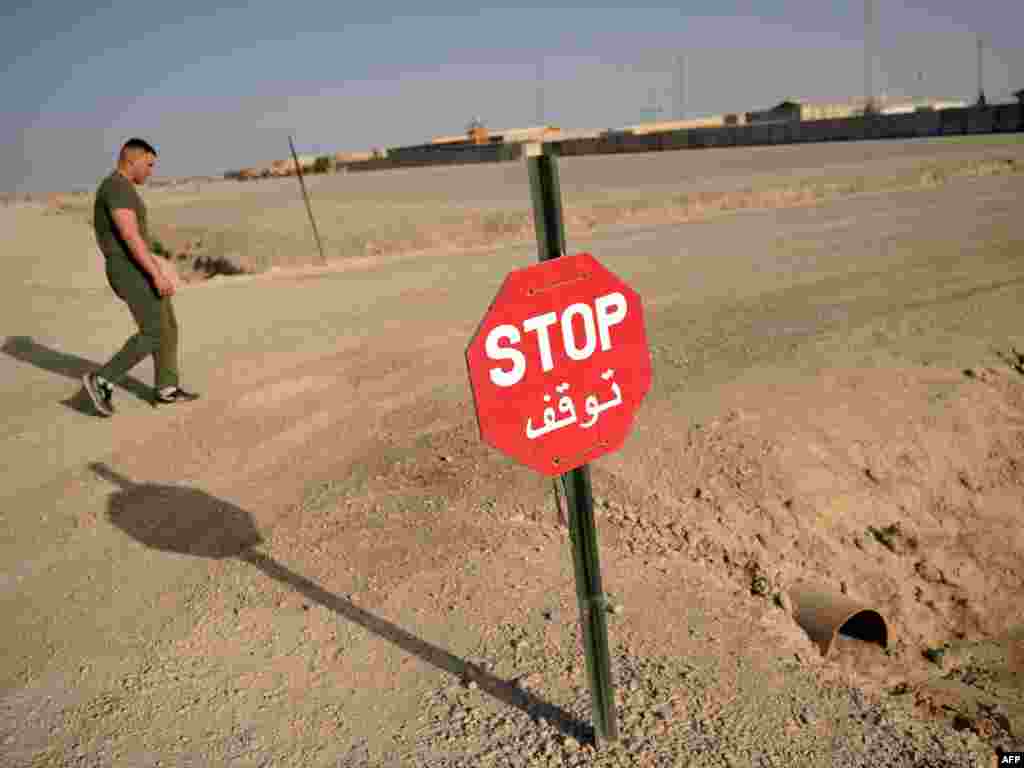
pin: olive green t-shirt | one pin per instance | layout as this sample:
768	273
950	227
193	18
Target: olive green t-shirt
115	191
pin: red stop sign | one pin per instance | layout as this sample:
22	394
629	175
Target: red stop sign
559	364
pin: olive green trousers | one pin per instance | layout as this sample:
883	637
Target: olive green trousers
158	328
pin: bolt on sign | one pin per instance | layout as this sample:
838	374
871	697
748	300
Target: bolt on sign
559	364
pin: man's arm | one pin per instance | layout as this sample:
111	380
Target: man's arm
128	225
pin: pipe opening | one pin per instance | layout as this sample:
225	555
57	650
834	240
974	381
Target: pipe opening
824	614
868	626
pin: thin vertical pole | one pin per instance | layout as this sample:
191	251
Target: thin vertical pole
305	196
869	95
981	76
575	486
540	92
680	105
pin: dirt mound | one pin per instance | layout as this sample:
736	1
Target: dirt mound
900	488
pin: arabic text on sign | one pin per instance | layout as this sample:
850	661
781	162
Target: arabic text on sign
592	406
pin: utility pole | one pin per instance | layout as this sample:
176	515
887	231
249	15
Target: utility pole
653	107
869	94
680	88
540	91
305	196
981	79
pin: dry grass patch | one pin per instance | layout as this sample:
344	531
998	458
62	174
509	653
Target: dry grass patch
695	205
225	234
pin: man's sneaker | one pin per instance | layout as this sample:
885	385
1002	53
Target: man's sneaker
174	395
101	392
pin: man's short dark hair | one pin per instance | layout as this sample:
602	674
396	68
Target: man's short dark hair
136	143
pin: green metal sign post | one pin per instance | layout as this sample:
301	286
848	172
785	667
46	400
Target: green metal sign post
574	486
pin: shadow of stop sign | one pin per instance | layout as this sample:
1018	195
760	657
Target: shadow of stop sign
559	364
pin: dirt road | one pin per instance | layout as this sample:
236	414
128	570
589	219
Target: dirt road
297	569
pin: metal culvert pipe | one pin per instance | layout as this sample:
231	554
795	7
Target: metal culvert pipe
822	614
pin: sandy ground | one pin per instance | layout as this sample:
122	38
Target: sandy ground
319	564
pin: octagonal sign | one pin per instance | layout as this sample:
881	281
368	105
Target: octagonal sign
559	364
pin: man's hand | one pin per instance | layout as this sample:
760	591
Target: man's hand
170	273
165	286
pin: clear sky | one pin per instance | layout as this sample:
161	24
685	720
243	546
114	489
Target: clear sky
218	86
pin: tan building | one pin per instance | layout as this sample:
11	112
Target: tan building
828	111
947	104
456	139
533	133
783	112
287	167
925	105
711	121
794	111
480	135
340	158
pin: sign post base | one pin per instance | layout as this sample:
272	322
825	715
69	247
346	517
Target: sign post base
590	595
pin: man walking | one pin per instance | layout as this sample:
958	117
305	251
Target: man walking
138	279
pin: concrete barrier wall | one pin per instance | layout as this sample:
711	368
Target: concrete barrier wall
929	123
900	126
766	134
413	158
969	120
1008	117
842	129
675	140
468	153
979	121
953	122
821	130
1003	117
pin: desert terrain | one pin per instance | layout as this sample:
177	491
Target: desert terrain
320	564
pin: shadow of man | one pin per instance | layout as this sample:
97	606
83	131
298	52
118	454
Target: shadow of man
28	350
184	520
